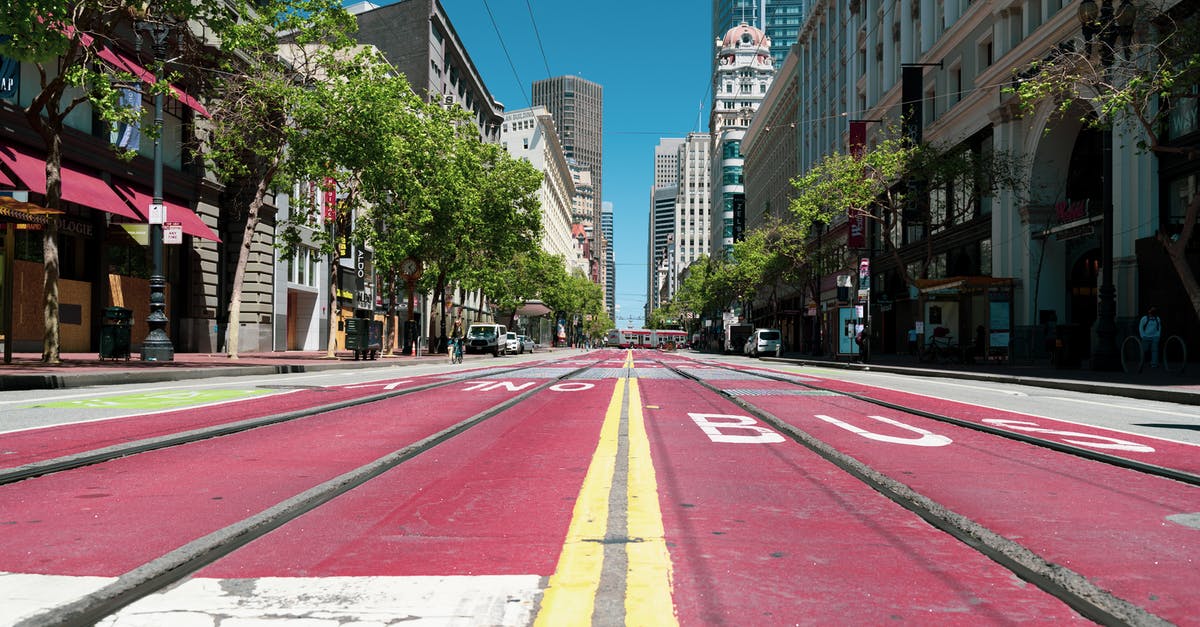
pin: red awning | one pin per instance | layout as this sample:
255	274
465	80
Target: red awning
125	64
77	187
191	223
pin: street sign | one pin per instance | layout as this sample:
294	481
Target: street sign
172	232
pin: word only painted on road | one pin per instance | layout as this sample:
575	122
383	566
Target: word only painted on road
488	386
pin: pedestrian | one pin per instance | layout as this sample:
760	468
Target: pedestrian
860	338
1150	329
912	341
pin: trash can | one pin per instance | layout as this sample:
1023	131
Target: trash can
356	335
114	332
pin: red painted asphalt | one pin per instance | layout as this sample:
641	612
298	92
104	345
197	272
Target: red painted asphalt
847	554
758	533
34	445
93	521
496	500
1109	524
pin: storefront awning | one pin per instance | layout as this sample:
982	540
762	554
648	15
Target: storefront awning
13	210
532	309
190	222
961	284
77	187
125	64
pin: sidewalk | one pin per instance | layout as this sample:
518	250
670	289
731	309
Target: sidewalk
27	372
1151	384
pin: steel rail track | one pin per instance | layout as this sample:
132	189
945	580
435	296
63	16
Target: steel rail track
1073	588
182	562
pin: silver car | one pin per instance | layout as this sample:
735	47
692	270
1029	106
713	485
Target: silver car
527	344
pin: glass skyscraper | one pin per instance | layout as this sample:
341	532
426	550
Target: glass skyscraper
779	19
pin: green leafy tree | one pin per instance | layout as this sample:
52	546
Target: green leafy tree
63	40
264	101
875	187
1142	84
372	133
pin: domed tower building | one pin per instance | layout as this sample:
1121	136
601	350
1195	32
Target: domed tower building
744	71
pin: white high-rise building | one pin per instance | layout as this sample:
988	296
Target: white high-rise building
693	204
666	162
529	134
744	73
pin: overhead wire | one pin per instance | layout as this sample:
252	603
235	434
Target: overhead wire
538	35
508	57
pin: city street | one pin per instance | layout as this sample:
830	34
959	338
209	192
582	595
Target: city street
596	487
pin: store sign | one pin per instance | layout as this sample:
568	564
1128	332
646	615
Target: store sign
10	77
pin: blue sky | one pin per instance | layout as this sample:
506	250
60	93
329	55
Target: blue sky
651	57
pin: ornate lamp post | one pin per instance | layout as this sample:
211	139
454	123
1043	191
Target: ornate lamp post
157	345
1105	26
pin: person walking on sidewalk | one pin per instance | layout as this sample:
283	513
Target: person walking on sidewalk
1150	329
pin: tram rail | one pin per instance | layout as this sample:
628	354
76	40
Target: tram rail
1073	588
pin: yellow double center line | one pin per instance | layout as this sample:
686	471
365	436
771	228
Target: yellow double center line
595	547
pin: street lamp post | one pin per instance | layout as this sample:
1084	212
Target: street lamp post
157	345
1104	25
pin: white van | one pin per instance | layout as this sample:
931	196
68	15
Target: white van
487	338
769	341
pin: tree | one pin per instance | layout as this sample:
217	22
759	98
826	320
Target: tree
367	141
1156	81
875	187
465	208
264	101
70	35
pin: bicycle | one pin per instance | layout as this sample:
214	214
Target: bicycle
1173	352
456	350
941	350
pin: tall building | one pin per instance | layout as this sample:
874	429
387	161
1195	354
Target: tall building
779	19
529	134
417	38
610	266
692	235
578	109
666	162
679	218
662	230
744	73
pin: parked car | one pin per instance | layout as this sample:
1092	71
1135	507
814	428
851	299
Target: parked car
527	344
768	341
487	338
512	344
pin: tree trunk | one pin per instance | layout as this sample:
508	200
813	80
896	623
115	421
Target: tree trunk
1176	252
50	263
390	342
239	273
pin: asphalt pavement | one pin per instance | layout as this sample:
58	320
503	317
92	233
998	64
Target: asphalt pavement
26	371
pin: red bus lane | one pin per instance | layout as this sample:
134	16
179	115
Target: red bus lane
495	500
106	519
35	445
469	529
763	531
1125	531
